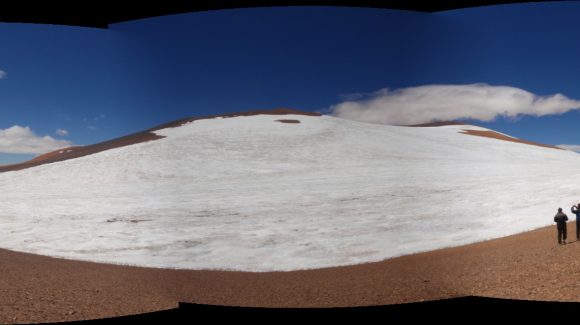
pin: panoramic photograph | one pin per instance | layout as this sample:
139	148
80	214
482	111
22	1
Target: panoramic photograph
289	157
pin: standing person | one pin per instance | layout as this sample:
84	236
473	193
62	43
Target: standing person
576	210
560	219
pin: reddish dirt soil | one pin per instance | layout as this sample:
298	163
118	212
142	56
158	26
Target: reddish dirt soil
487	134
530	265
53	154
495	135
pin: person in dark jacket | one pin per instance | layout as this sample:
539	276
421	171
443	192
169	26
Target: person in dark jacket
560	219
576	211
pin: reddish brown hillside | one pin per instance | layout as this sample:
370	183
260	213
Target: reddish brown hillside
487	134
495	135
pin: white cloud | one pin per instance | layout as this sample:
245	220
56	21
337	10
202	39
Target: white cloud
61	132
92	127
23	140
2	74
571	147
424	104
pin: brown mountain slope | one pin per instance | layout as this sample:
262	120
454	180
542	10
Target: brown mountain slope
486	134
495	135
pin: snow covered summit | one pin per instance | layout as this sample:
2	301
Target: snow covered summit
258	194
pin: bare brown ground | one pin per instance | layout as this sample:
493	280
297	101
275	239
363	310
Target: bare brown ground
495	135
486	134
531	265
53	154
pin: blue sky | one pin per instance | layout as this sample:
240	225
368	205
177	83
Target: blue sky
88	83
100	84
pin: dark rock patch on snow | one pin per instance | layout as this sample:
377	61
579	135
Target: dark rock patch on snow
288	121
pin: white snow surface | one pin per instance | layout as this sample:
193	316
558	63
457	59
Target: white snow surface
252	194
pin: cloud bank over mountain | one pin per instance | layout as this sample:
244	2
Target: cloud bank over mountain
429	103
22	140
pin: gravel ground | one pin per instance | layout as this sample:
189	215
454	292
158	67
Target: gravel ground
529	266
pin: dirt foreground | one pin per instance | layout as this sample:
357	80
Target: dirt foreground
531	266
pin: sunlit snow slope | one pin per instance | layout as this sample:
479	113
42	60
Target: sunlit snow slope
250	193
